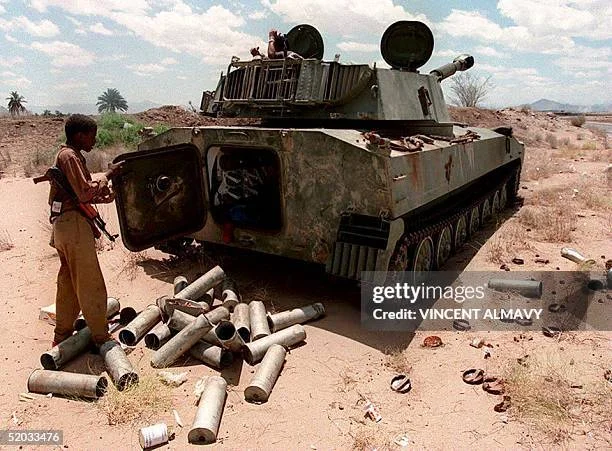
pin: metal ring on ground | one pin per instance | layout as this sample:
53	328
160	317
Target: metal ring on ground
401	383
462	324
551	331
493	385
473	376
557	308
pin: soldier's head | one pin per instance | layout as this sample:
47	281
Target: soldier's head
80	132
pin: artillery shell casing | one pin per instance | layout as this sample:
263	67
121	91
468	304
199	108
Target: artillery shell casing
213	356
300	315
180	283
118	366
134	331
179	320
258	320
210	409
229	294
228	337
575	256
266	375
112	308
255	350
127	315
202	284
527	288
181	342
242	321
157	336
68	349
67	384
211	338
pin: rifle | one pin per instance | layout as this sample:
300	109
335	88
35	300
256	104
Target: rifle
56	175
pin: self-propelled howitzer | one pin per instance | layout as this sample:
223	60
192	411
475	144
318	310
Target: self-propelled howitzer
354	167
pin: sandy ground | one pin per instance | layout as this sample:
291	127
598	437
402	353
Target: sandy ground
316	402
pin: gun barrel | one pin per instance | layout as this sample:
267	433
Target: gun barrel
461	63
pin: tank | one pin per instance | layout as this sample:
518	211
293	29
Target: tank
351	166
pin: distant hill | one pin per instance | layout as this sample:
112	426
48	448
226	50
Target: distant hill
551	105
86	108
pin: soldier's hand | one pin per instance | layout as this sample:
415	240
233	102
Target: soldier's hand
114	169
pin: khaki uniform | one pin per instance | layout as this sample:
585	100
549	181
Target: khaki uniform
80	284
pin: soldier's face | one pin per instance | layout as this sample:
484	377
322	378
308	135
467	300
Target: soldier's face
86	140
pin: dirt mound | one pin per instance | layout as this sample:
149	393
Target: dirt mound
525	123
176	116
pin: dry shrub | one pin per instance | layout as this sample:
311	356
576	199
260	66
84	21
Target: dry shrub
506	243
551	224
552	140
538	165
543	398
397	360
6	243
580	136
369	439
538	137
594	198
137	404
591	145
578	121
566	142
132	262
40	160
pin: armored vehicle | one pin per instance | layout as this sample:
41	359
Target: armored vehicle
352	166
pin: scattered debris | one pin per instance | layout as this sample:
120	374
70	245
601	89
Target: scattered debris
433	341
542	260
372	412
518	261
473	376
172	379
16	420
505	267
608	375
402	440
25	397
477	343
487	351
177	418
401	383
557	308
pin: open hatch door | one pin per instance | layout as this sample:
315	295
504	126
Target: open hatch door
160	195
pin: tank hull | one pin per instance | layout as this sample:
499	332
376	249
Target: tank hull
336	191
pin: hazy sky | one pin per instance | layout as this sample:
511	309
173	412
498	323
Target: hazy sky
169	51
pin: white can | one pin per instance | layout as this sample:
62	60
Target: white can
153	435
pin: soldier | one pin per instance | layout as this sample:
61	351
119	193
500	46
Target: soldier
278	47
80	284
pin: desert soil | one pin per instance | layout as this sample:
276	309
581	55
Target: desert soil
316	403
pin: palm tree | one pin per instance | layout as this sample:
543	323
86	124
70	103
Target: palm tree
15	103
111	101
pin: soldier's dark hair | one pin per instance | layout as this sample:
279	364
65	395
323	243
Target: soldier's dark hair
78	123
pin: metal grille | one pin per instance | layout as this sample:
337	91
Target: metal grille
266	81
349	260
341	80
